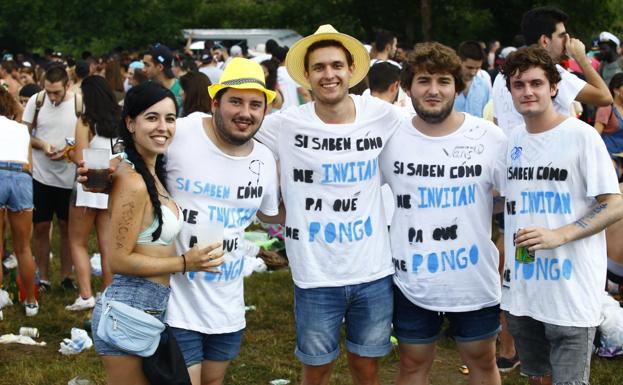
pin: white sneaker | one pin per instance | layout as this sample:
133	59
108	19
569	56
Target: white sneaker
31	309
81	304
10	262
5	300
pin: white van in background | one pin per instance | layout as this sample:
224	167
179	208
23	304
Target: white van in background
245	38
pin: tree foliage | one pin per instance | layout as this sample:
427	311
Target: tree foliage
100	25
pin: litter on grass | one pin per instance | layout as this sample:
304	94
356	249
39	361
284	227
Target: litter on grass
79	342
280	381
17	339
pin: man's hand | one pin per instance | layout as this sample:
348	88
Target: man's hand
58	155
539	238
272	259
576	49
48	149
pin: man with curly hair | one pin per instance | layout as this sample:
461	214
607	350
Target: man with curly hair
446	263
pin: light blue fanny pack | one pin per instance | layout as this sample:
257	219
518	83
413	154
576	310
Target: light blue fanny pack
129	329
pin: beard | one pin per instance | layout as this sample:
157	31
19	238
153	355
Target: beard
433	117
221	130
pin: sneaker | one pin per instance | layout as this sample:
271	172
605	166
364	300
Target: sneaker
5	300
81	304
506	365
10	262
68	284
31	309
45	286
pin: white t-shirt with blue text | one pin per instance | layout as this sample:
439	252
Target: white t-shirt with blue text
213	187
552	180
336	232
441	230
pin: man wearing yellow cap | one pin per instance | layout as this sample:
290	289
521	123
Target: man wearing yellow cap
220	177
336	232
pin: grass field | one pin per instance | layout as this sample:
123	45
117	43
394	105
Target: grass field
267	350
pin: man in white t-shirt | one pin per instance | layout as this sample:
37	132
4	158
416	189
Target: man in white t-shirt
293	93
385	44
443	166
208	67
336	233
220	177
53	175
545	27
561	192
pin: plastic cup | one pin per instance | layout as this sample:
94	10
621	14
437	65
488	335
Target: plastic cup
208	233
97	161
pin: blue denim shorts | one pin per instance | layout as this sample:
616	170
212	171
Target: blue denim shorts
15	191
197	347
416	325
562	351
367	311
137	292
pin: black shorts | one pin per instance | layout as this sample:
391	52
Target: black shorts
48	201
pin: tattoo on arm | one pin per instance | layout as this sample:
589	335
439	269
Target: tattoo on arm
583	222
124	227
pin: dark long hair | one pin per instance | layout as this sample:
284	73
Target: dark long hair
196	97
101	111
271	79
137	100
113	75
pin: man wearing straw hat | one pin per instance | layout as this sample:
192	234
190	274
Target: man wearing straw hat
336	232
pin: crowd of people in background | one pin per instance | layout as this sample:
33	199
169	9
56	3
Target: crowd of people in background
494	115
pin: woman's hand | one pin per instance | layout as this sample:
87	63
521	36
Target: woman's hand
83	178
205	259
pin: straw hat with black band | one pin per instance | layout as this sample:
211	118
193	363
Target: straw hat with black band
242	74
295	60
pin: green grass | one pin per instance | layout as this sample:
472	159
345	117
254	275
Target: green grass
267	350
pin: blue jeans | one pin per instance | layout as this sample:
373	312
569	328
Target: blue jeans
366	308
416	325
137	292
197	346
15	191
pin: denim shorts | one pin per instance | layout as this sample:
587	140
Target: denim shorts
543	348
197	347
137	292
15	191
367	311
416	325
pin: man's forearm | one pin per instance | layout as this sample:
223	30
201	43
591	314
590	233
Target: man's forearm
606	212
593	78
37	143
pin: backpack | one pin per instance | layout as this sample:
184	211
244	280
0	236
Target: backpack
78	106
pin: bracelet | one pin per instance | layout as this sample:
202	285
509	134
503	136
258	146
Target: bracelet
184	259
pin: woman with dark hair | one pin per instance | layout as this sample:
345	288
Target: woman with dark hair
114	77
145	221
270	74
195	93
16	197
97	128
